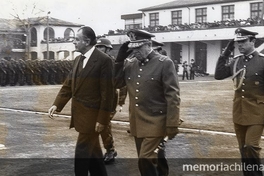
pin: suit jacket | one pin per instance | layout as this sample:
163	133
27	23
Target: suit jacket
249	98
154	94
91	92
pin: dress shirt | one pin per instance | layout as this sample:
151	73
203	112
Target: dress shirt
87	55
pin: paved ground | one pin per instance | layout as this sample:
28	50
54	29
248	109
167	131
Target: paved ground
32	144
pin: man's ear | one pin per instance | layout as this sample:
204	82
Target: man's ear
88	42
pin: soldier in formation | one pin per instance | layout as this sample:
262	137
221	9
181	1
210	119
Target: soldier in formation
33	72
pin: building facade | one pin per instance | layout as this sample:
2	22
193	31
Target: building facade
199	29
37	38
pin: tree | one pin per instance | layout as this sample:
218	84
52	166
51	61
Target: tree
25	21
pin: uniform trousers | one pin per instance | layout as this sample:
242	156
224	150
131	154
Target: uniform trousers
89	156
149	162
248	138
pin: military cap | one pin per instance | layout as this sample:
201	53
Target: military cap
243	34
138	38
104	42
156	45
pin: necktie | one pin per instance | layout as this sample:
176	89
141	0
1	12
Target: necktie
80	66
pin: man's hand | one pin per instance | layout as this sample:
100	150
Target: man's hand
123	52
171	132
229	48
51	111
99	127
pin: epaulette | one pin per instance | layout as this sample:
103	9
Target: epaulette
163	58
131	59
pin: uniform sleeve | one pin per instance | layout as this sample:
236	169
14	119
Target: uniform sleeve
172	93
119	80
222	69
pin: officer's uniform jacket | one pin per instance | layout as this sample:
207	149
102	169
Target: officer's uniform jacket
248	79
153	94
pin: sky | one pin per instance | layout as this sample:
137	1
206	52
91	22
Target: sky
101	15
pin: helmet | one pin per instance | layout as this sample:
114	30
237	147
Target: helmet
104	42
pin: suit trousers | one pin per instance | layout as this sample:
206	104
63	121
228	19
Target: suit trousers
149	162
89	156
248	138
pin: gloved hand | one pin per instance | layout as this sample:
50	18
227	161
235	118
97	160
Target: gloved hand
229	48
123	52
171	132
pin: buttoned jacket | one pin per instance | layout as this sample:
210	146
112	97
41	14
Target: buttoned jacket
248	100
91	92
154	94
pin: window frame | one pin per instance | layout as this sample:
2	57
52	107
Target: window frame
202	16
230	12
154	19
176	17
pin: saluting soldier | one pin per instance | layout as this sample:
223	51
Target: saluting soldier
247	71
154	98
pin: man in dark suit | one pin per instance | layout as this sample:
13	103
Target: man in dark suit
247	71
90	86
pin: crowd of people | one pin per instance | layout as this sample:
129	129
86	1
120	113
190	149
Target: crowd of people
199	25
33	72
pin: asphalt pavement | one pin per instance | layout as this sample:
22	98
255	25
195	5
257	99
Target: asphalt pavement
35	145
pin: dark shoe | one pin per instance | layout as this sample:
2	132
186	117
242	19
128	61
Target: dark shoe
109	156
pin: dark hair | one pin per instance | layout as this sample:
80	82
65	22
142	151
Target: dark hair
88	33
251	38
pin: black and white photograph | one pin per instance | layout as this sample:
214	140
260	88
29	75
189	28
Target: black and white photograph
131	88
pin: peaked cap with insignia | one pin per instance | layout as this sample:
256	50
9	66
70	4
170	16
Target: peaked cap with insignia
243	34
138	38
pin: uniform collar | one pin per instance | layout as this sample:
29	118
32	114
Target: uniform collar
148	58
250	55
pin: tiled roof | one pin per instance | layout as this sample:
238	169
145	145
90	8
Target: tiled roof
187	3
13	25
52	21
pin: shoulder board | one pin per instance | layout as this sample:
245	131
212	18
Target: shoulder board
238	56
163	58
131	59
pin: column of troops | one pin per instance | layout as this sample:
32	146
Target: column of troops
33	72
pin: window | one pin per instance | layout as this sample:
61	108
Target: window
201	15
51	33
176	17
228	12
133	24
69	34
256	9
154	19
33	39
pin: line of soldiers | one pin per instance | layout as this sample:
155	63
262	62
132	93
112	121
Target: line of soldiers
33	72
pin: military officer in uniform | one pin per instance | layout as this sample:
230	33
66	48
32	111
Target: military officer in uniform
105	46
154	97
247	71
